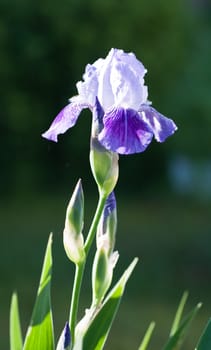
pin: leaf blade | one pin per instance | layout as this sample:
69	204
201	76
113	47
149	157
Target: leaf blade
177	338
16	342
178	314
97	333
147	337
205	339
40	331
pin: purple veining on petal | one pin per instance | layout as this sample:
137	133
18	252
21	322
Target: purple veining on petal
124	132
64	120
97	122
109	208
161	126
98	112
110	205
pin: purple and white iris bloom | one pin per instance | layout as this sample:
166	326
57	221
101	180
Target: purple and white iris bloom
129	121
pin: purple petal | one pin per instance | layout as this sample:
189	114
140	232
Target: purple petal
124	132
110	205
64	120
67	337
161	126
98	114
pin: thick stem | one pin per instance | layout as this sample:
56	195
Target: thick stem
79	270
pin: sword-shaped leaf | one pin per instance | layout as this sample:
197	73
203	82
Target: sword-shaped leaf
96	334
205	340
40	334
145	342
176	339
16	342
178	314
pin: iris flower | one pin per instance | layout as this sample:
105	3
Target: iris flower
129	120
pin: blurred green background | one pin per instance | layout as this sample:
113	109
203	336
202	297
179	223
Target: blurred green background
164	194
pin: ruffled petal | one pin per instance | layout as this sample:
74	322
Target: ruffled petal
161	126
127	80
64	120
124	132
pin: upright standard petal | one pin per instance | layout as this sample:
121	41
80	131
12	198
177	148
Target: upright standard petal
161	126
124	132
105	93
127	80
64	120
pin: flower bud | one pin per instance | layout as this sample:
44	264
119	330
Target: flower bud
107	227
72	236
65	339
104	163
101	275
105	259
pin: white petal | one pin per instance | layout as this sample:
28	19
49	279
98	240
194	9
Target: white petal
127	81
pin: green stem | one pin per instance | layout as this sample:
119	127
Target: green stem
79	270
93	228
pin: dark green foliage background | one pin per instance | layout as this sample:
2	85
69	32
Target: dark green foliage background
44	47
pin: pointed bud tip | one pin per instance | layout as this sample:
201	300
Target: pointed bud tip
76	203
67	335
78	188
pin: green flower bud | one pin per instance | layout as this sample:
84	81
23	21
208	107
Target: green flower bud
107	227
104	163
72	236
105	259
101	275
75	210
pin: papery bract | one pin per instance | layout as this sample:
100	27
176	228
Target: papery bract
129	122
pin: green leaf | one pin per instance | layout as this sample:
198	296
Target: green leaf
147	337
97	333
40	331
16	342
178	315
175	341
205	340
